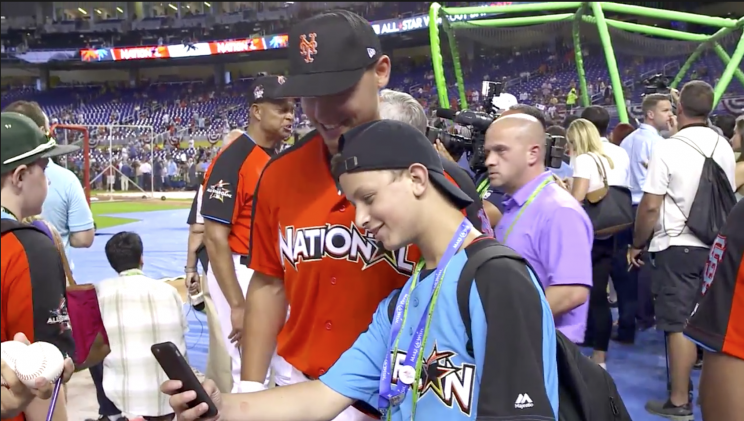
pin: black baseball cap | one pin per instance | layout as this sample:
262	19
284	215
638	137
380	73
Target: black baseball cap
24	142
264	89
329	53
394	145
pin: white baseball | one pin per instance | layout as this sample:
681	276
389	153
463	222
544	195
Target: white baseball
40	359
11	350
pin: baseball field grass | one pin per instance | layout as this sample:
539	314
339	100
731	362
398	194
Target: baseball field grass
103	210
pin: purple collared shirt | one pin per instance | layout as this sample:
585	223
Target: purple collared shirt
555	235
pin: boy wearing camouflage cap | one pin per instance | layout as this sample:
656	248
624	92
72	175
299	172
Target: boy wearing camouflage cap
33	278
25	153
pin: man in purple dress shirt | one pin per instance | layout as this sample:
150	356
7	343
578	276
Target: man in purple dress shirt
542	221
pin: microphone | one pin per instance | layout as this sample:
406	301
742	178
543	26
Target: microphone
446	113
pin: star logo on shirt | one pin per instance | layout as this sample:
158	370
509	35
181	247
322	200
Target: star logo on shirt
219	191
435	368
446	375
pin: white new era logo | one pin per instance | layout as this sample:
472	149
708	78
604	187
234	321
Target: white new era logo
523	401
371	52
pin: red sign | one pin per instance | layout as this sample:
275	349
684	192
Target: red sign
237	46
139	53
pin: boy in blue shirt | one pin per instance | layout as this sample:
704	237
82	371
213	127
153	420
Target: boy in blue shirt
413	363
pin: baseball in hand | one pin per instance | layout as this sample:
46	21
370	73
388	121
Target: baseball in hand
11	350
40	359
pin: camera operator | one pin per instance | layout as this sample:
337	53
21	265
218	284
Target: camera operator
541	221
462	144
400	106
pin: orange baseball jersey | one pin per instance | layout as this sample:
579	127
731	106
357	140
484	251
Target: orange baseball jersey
228	188
717	323
334	273
33	289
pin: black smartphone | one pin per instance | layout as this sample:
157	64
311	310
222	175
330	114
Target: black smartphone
176	368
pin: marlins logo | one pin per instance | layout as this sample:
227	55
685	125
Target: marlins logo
220	191
338	242
451	383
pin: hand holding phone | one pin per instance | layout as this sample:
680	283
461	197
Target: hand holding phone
177	368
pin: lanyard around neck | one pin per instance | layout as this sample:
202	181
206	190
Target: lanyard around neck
529	201
9	213
409	372
483	187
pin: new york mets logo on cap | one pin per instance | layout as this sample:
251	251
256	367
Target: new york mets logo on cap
308	46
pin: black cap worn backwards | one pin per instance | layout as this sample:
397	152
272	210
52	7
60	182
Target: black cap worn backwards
394	145
329	53
264	89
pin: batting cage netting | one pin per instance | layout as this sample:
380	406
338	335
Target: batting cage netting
105	163
674	52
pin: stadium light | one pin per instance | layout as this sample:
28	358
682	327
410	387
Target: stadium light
593	13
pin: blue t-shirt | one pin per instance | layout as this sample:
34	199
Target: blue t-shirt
65	206
513	374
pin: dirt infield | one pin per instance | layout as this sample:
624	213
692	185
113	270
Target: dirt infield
103	198
144	198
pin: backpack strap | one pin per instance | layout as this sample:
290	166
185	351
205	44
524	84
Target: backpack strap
692	144
10	225
480	253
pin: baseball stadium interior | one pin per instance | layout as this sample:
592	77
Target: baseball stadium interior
149	90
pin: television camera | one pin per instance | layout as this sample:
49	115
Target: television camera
656	84
471	142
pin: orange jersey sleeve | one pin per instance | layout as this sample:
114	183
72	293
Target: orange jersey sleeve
228	189
264	232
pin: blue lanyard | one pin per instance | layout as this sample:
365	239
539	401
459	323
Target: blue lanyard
393	394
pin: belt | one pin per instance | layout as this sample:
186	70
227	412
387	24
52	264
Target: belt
360	406
244	260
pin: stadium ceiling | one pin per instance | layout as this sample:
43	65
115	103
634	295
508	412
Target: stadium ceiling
16	9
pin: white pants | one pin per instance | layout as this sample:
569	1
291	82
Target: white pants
349	414
223	314
125	183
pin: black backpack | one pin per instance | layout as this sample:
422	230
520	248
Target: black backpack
10	225
586	391
714	198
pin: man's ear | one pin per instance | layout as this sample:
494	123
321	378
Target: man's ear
255	112
382	72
